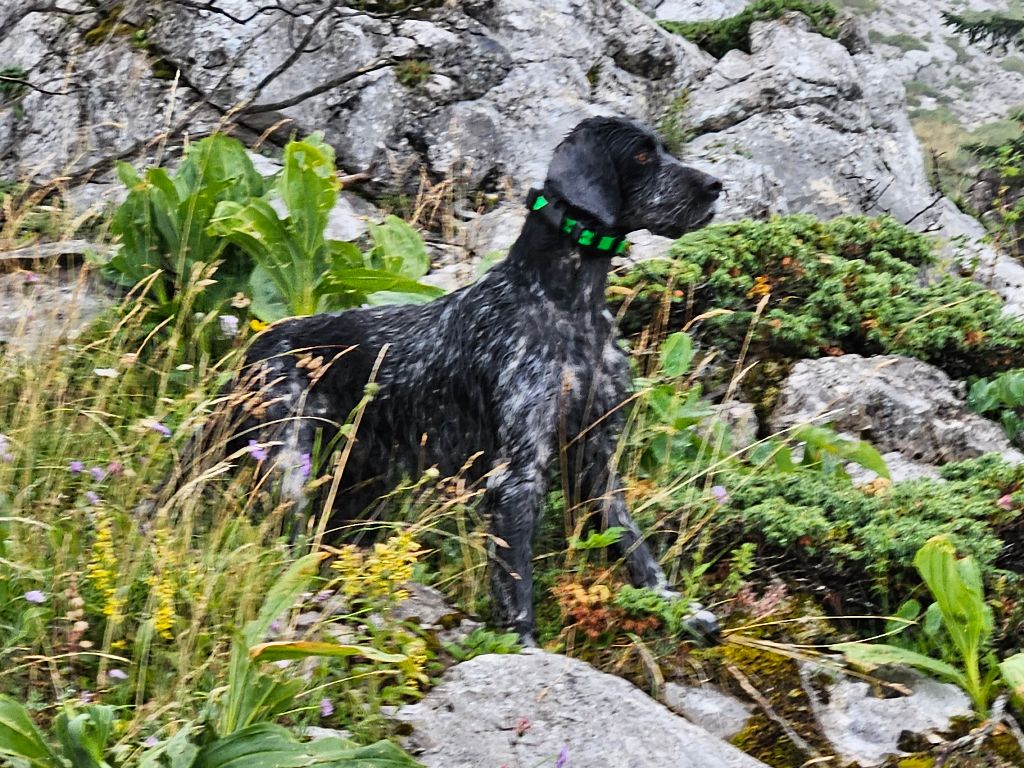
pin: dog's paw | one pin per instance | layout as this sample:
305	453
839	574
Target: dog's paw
703	625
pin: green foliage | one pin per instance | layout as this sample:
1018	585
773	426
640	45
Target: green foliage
1002	398
163	227
298	271
1005	161
482	641
640	602
845	535
84	738
718	37
966	621
214	226
412	72
1003	29
852	284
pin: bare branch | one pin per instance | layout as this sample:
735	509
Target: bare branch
27	84
373	66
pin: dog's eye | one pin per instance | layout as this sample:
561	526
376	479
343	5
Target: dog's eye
641	157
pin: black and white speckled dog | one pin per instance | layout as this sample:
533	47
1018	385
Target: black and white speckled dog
506	367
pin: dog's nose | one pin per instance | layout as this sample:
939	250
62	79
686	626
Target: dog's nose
712	187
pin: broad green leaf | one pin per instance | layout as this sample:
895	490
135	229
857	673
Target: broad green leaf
367	281
84	735
21	740
598	539
872	655
301	649
309	188
1012	670
283	595
177	752
344	754
268	302
676	355
398	248
957	588
264	745
863	453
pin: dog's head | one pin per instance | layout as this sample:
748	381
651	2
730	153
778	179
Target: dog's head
619	172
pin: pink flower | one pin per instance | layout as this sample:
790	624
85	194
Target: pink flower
1005	502
522	725
720	494
115	468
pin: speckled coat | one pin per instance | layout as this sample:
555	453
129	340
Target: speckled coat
506	372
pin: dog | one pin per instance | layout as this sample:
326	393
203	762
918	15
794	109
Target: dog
513	369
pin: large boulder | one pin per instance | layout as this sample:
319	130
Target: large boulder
526	709
896	403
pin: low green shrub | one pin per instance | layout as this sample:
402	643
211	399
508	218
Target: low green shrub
720	36
842	535
1002	398
852	284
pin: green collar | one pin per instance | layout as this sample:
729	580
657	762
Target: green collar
553	211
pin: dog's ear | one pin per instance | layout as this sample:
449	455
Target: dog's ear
583	174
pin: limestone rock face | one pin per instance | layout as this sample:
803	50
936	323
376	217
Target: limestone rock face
525	709
896	403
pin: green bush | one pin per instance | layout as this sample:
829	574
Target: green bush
821	524
720	36
212	231
852	284
1002	398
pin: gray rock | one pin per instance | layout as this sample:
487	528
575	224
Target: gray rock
349	218
716	712
471	719
896	403
741	420
39	309
900	469
695	10
493	231
866	729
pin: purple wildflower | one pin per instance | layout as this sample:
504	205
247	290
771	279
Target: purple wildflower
151	741
563	757
117	674
307	465
98	473
35	596
86	697
76	467
257	451
323	596
93	498
5	453
276	626
156	426
326	707
31	277
720	494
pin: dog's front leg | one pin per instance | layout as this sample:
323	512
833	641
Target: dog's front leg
600	484
514	495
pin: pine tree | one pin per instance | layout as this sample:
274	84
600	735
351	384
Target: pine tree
1001	29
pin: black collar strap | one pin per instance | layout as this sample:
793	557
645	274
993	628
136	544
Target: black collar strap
553	211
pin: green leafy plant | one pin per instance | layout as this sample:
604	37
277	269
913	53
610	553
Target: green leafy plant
720	36
298	271
1002	397
163	226
482	641
851	284
234	729
966	620
12	88
215	225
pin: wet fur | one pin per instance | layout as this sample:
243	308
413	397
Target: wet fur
503	368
